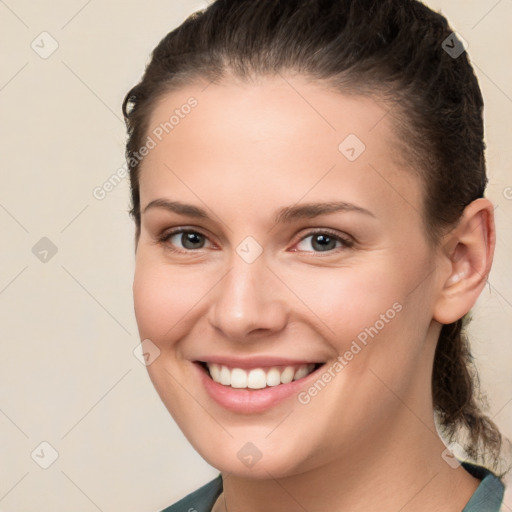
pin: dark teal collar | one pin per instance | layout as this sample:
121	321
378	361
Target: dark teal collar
487	497
489	494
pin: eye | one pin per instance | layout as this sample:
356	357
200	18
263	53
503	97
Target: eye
190	240
324	241
184	240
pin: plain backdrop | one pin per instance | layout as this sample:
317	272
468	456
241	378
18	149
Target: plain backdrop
69	377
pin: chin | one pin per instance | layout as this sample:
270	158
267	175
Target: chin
245	459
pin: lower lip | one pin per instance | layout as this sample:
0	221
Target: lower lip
249	401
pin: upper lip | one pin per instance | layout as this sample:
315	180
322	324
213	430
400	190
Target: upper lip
255	361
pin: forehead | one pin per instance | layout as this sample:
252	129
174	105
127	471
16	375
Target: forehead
279	139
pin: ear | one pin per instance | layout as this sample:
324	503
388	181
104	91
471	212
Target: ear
466	259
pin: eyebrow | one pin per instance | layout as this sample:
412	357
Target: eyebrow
286	214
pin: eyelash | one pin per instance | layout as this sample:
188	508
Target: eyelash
346	242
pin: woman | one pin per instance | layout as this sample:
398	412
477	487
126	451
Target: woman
307	188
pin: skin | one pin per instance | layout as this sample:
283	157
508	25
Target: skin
244	152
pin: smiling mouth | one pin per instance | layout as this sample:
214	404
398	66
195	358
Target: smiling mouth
257	378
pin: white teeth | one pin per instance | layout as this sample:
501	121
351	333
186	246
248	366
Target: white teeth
273	377
215	372
225	376
238	378
287	375
257	378
300	373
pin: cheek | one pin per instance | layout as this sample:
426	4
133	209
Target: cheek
166	301
373	315
165	298
343	302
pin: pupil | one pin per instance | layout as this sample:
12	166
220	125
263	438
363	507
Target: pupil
190	239
324	241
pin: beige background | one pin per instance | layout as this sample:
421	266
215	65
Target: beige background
68	373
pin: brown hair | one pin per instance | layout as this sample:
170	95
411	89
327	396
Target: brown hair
397	51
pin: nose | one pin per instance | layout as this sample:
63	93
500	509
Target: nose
249	302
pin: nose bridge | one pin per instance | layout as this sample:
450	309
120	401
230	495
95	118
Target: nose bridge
248	298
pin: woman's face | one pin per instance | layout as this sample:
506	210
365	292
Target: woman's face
303	245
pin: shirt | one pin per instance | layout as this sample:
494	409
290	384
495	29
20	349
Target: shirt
488	496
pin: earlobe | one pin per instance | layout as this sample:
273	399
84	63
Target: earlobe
467	262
